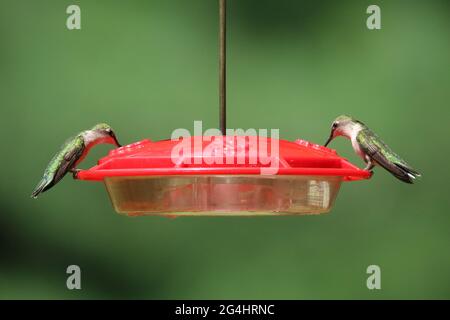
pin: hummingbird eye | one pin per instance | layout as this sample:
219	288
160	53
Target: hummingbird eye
334	125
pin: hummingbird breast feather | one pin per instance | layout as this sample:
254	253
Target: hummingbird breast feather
357	148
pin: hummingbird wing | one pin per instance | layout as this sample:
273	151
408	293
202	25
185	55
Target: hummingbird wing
71	154
60	164
380	152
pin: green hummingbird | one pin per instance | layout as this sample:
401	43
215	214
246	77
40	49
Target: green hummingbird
72	152
371	148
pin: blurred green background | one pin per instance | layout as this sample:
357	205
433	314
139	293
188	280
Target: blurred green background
149	67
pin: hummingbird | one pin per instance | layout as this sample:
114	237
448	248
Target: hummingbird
72	152
371	148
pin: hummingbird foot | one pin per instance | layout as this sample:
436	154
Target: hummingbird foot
75	173
369	165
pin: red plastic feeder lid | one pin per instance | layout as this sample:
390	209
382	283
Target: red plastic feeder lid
223	155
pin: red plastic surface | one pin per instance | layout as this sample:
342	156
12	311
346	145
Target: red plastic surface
147	158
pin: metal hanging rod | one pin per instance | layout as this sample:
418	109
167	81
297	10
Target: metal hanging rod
223	65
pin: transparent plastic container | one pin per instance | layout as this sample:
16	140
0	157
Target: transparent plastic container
144	178
223	195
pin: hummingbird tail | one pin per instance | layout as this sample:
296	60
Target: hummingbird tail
398	170
405	174
42	186
410	171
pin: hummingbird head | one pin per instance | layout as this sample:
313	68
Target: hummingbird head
343	126
102	133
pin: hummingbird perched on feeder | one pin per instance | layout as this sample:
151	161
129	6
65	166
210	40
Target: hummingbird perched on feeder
371	148
72	153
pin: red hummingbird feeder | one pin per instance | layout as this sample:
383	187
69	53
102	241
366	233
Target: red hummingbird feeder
145	178
223	175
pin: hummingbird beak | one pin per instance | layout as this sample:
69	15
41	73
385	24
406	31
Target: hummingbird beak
329	139
116	141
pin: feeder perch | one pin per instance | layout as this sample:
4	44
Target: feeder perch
145	178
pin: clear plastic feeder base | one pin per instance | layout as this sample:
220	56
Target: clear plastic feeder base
217	195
